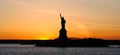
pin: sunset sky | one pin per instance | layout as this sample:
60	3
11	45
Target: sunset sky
39	19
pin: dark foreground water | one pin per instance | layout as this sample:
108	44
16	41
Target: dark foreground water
31	50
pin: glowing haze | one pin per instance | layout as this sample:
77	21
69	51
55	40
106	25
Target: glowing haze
39	19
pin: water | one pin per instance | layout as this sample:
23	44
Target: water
31	50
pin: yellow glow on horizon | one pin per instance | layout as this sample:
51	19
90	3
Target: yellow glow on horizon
44	38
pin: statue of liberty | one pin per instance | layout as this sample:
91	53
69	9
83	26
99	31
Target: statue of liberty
62	32
62	21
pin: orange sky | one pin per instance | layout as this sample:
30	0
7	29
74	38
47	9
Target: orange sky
39	19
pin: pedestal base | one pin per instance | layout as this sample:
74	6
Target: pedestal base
63	34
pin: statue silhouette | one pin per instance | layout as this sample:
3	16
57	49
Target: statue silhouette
62	32
62	21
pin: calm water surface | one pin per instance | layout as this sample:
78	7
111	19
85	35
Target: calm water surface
31	50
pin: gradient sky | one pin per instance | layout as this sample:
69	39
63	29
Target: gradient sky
39	19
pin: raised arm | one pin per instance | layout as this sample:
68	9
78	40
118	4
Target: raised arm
60	15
